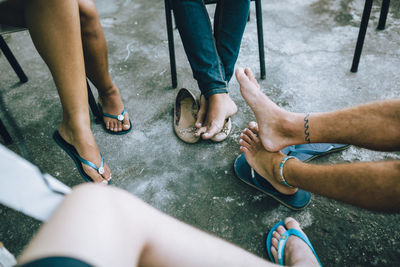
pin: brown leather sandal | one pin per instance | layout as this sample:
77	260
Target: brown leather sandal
185	116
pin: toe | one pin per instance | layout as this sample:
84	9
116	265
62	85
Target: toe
119	126
280	230
107	173
108	125
246	138
211	131
202	112
245	144
276	235
292	223
250	75
274	253
250	134
200	131
253	126
275	241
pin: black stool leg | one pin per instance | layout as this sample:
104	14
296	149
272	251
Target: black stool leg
260	38
361	35
171	43
12	60
384	13
4	133
93	104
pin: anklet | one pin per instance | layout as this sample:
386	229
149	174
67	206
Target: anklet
307	138
283	181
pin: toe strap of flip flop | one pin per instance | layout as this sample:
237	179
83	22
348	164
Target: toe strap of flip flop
99	169
120	117
285	236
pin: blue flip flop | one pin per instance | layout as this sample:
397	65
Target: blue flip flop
120	118
73	153
245	173
308	152
282	242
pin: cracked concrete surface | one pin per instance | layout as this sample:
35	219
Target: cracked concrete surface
309	47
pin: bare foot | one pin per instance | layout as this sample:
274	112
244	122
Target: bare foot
297	252
213	113
83	140
278	127
261	160
111	103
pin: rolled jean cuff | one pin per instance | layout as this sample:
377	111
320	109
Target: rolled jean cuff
215	91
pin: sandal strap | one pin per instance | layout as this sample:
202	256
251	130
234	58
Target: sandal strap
285	236
120	117
99	169
296	148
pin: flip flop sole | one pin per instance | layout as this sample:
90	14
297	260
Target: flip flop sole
109	131
304	157
297	201
70	150
120	132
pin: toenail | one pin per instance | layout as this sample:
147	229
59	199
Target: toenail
126	126
104	182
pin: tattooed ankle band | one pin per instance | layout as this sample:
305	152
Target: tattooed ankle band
307	137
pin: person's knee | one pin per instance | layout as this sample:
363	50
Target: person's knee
88	15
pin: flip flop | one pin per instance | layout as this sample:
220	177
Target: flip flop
185	116
308	152
224	133
244	172
120	118
73	153
282	242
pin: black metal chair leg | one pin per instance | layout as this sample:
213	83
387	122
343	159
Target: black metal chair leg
12	60
383	16
260	38
93	104
4	133
171	44
361	34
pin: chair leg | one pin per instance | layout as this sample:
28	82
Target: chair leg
384	13
171	43
361	34
4	133
12	60
260	38
93	104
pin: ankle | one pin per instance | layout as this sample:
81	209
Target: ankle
108	91
292	126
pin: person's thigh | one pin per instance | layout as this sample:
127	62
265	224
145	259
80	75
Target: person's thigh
89	226
12	13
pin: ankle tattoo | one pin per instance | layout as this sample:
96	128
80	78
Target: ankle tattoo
307	137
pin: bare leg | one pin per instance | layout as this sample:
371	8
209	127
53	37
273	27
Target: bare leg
51	23
106	226
371	185
96	62
361	125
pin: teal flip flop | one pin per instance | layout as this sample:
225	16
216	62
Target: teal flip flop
120	118
73	153
246	174
308	152
282	242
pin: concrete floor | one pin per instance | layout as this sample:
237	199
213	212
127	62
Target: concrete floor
309	47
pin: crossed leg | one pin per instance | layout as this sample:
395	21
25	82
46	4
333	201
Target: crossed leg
372	185
105	226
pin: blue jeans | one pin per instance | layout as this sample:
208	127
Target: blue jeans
212	57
